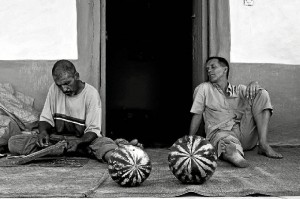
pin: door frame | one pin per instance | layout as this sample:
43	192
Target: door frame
103	38
200	41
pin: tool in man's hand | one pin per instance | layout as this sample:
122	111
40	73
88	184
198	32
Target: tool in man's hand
56	149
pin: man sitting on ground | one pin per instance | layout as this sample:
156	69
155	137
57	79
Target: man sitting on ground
236	117
72	112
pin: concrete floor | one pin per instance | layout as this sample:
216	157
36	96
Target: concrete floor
285	138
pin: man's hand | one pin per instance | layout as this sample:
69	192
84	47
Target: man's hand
43	139
134	142
252	90
108	155
73	145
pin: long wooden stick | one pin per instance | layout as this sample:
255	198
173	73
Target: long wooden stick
9	162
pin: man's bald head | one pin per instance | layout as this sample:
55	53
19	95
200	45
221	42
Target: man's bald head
63	67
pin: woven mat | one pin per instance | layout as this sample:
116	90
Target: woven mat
265	176
49	182
56	161
59	162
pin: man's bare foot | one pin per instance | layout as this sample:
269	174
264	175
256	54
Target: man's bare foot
233	156
266	150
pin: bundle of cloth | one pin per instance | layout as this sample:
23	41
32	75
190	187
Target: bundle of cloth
17	113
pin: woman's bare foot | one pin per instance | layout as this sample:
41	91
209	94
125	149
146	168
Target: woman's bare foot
233	156
266	150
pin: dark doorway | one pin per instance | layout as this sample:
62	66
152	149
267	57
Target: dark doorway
149	70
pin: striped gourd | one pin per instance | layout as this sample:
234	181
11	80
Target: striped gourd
129	166
192	159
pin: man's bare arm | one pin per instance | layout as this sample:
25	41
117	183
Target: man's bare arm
195	123
86	139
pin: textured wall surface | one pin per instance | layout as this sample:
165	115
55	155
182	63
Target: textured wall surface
282	82
265	47
33	77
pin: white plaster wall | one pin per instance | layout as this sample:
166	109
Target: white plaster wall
33	77
38	29
267	32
